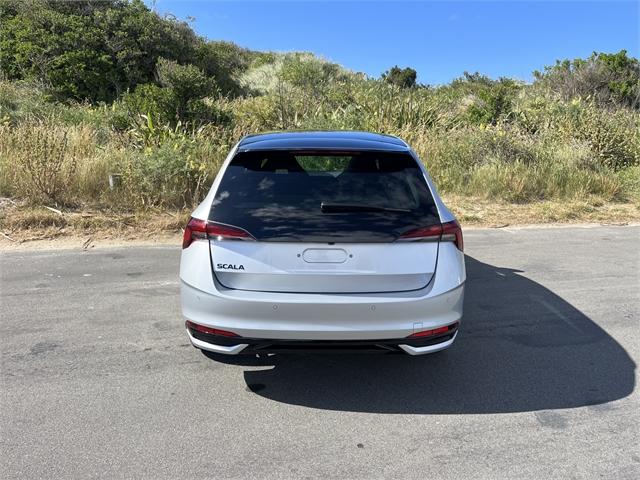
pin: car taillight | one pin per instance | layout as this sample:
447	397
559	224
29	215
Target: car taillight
211	331
432	232
435	331
451	232
446	232
220	231
198	229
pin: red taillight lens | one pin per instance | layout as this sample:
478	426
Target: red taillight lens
435	331
221	231
447	232
430	232
201	230
211	331
196	229
451	232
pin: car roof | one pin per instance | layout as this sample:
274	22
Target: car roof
322	140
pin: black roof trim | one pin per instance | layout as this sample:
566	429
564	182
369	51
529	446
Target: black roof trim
322	140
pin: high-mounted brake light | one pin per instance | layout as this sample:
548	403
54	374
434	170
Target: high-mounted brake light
202	230
446	232
211	331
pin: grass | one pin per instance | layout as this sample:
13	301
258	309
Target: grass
486	213
544	160
22	224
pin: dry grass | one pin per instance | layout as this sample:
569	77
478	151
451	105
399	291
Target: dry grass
489	213
27	225
544	161
24	223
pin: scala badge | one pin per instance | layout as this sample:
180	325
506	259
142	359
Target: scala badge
229	266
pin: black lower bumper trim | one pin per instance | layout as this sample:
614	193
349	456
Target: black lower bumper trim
262	345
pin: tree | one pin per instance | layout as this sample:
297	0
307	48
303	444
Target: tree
61	51
97	50
401	77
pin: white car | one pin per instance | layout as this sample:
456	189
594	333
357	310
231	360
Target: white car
322	241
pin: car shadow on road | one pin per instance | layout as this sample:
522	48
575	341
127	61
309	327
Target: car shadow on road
521	348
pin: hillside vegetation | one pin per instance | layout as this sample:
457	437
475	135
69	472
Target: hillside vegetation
92	89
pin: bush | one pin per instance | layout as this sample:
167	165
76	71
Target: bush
614	137
180	100
224	61
206	111
151	100
170	166
90	51
608	79
45	162
400	77
186	81
484	101
501	164
480	138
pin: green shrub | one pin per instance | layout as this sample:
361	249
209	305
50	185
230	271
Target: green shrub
400	77
90	50
480	138
224	61
614	136
495	163
170	166
605	78
151	100
185	81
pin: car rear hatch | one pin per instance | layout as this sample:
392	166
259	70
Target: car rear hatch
323	222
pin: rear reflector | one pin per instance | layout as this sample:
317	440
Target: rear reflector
198	229
211	331
435	331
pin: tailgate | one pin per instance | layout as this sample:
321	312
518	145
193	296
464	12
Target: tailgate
321	268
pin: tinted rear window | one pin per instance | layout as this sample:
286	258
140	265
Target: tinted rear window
324	197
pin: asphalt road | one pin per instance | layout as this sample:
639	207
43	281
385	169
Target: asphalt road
98	379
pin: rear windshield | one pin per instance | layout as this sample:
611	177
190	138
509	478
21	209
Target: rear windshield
324	197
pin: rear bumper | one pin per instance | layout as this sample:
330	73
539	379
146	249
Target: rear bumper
370	317
322	317
237	345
